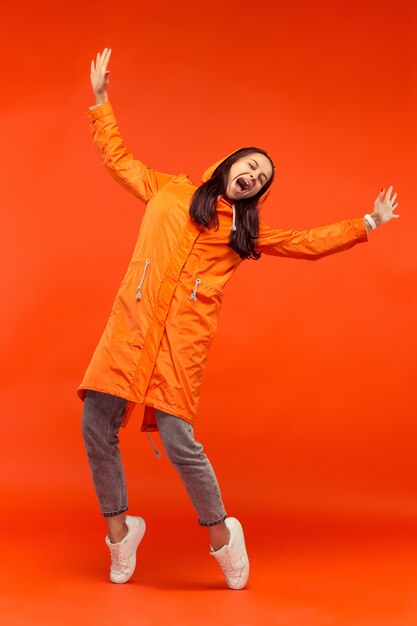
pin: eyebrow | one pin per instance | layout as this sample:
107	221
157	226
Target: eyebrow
258	166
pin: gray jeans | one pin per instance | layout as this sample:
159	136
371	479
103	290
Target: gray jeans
101	420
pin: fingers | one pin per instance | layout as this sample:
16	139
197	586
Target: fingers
386	204
391	200
101	60
104	58
389	192
393	209
379	196
387	195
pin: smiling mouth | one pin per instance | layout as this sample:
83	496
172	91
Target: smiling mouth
243	184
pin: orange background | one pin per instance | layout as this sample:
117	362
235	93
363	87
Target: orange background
308	409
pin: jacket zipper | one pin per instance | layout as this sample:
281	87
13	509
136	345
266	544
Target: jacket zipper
139	293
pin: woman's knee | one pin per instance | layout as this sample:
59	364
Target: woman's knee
95	423
89	428
177	436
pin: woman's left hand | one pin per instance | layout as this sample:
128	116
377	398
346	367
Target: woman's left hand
384	207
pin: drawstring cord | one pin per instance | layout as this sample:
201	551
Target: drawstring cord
233	227
139	293
194	293
158	454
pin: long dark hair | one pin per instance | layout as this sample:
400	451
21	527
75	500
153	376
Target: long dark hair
203	206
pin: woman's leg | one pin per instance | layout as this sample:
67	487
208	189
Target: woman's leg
197	474
101	420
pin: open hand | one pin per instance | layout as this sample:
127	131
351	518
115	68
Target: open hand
99	74
384	207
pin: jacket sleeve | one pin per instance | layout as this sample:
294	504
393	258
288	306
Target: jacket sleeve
314	243
132	174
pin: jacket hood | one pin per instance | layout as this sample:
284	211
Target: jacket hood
209	171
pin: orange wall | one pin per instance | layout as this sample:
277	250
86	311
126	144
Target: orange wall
308	401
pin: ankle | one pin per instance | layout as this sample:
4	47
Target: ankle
220	542
118	536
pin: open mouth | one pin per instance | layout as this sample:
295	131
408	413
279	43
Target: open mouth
243	184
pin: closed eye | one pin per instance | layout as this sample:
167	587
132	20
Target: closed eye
254	168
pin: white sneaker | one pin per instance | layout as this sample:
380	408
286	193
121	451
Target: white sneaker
232	557
123	553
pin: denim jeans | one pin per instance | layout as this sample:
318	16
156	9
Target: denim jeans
101	420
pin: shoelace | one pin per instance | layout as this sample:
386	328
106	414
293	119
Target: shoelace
228	565
118	558
232	569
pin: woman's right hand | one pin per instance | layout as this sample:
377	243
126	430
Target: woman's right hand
99	76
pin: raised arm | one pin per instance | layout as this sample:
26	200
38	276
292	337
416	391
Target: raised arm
129	172
315	243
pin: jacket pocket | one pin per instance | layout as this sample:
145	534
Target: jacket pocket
200	305
133	284
205	288
132	307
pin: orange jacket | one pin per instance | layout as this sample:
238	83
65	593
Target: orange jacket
154	348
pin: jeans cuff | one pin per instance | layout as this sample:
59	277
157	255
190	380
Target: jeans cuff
116	512
217	521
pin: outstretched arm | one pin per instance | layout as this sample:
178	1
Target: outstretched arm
129	172
315	243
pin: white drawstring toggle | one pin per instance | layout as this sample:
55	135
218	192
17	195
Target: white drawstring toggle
139	293
194	293
233	227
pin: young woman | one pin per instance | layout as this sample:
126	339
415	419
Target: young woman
154	348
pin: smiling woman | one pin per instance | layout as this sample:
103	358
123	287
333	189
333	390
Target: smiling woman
248	175
154	348
242	178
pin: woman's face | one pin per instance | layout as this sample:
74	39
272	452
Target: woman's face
248	175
